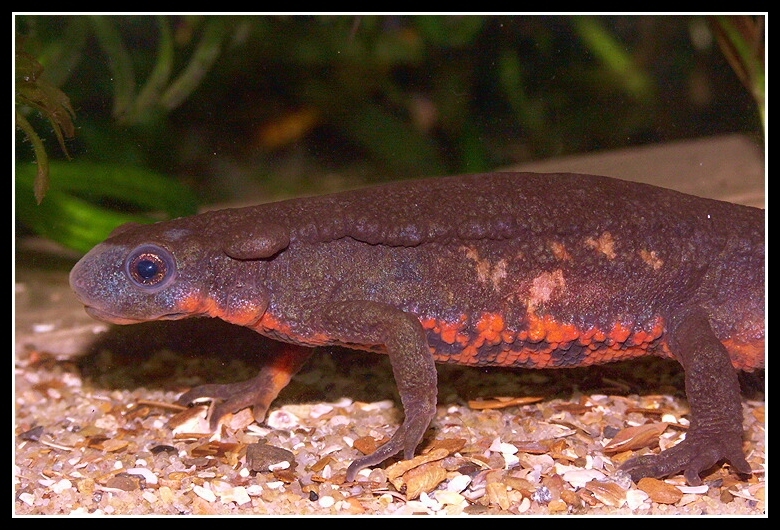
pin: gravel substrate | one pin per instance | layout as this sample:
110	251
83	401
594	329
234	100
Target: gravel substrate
98	435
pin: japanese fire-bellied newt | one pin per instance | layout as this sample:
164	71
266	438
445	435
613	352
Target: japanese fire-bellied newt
502	269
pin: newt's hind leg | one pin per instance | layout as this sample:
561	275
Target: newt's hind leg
713	393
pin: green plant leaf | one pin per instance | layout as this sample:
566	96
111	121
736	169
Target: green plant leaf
614	56
72	213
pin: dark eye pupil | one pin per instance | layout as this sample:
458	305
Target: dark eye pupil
147	269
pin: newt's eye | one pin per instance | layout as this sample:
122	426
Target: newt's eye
150	267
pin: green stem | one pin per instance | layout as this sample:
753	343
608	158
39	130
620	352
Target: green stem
202	59
150	94
121	66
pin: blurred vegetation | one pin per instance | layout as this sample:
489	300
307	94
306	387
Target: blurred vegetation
232	107
87	200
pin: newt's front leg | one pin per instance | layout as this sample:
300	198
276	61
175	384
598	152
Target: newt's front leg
402	335
713	393
257	392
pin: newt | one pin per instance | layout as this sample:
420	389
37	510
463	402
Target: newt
517	270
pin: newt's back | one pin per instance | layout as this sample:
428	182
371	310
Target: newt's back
531	270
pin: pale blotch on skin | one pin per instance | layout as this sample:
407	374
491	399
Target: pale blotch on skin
651	258
559	251
604	244
487	272
544	286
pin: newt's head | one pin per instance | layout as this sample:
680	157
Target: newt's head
168	271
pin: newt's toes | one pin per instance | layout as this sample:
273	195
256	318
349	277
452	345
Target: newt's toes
692	457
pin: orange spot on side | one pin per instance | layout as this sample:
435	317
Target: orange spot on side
587	335
429	323
243	315
194	304
453	333
643	338
620	332
549	329
449	332
271	325
467	356
489	327
508	336
536	331
746	356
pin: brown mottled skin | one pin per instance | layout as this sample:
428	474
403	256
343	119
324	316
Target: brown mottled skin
502	269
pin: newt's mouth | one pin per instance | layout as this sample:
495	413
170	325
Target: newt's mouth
99	314
105	316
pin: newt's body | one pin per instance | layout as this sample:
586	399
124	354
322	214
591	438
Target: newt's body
515	270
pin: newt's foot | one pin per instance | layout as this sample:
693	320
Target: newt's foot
258	392
697	453
406	438
230	398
